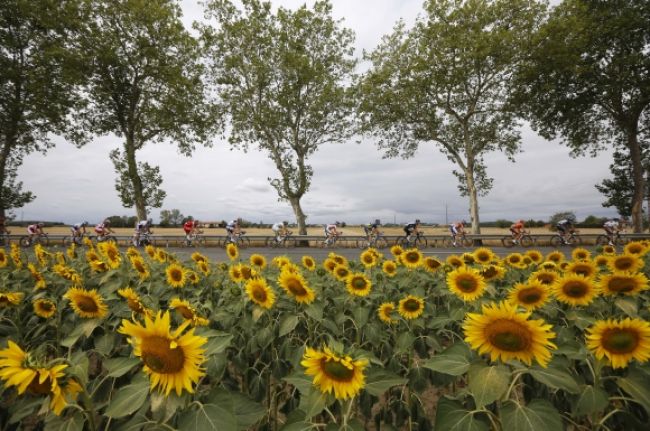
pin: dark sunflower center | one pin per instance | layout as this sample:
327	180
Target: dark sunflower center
236	274
331	265
621	284
176	275
258	262
185	312
508	335
514	259
545	278
4	299
37	388
296	287
390	268
433	264
135	305
358	283
259	294
139	266
530	295
575	289
87	304
160	357
467	284
45	306
582	270
620	341
483	257
489	272
246	272
412	305
623	264
342	272
368	258
412	257
336	370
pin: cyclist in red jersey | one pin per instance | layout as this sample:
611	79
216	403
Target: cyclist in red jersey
517	229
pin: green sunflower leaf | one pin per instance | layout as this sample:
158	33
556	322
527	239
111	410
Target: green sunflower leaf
453	361
288	324
452	416
129	398
379	381
555	378
117	367
538	415
591	400
208	417
637	385
488	383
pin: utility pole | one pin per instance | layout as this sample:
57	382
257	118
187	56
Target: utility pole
446	214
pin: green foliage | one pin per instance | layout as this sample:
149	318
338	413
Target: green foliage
560	216
171	217
448	80
282	81
122	221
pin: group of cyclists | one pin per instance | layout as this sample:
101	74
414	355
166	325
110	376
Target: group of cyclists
192	229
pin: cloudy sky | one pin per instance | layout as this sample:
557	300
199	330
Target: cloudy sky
351	181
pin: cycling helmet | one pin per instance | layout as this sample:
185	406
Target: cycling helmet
107	221
84	223
286	223
521	221
417	220
377	222
40	224
571	218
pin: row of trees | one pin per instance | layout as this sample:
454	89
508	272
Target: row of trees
464	77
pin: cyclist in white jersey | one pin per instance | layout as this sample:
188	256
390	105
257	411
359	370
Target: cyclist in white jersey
143	226
280	229
77	230
611	227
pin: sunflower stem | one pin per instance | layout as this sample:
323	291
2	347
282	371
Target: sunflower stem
346	416
512	384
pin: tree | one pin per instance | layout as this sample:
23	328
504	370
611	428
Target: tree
447	81
282	82
587	80
39	69
145	86
171	218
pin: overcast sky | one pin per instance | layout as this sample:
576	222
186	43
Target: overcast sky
351	181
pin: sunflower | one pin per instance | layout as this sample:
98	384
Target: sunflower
506	334
468	258
132	252
16	255
16	369
68	274
42	255
260	293
280	261
454	261
386	312
544	277
44	308
172	361
516	260
601	260
580	253
358	284
626	262
609	250
575	290
466	283
176	275
531	295
620	341
71	251
332	372
548	265
369	258
341	260
193	277
389	267
329	264
258	261
235	274
150	250
296	287
431	264
411	307
309	263
341	272
411	258
535	256
91	255
198	257
483	255
627	283
636	248
137	263
99	266
555	256
183	308
37	276
10	298
111	252
4	260
583	267
133	301
204	267
492	272
396	251
161	255
86	303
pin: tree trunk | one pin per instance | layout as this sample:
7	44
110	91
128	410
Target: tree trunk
638	180
300	216
473	203
138	196
4	156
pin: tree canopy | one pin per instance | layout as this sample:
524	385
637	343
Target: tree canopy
282	79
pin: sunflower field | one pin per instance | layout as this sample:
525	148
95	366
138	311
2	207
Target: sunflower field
96	338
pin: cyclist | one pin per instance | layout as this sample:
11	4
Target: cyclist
411	228
611	227
456	228
35	230
233	228
565	226
372	229
103	229
332	232
191	228
142	227
280	229
78	230
517	230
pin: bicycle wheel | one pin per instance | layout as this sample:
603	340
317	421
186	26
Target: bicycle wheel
403	242
381	242
420	242
575	240
244	242
448	242
526	241
24	241
622	240
466	242
602	240
507	241
67	240
556	241
271	242
362	242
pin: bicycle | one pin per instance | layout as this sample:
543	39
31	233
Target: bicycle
377	240
460	240
144	240
525	240
409	241
41	238
284	240
104	238
571	239
615	239
238	239
330	240
194	240
77	240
